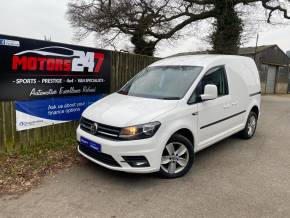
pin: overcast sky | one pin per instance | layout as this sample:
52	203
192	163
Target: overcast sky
39	18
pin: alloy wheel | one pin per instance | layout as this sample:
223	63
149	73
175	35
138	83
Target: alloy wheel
252	125
175	157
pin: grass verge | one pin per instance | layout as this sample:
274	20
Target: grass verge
21	171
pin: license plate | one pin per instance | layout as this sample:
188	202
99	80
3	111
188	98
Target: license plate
93	145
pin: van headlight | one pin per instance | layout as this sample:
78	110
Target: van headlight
140	131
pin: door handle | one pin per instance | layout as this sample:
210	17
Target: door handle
234	103
227	106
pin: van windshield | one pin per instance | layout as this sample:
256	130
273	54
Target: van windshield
162	82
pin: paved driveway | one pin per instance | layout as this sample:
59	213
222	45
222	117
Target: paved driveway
234	178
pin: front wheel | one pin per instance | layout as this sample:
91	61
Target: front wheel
177	157
251	125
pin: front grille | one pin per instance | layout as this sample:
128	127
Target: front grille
102	157
102	130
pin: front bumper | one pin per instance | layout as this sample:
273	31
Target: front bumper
150	148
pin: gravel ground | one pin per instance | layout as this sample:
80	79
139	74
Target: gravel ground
234	178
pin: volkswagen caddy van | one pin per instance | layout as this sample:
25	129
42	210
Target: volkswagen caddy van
171	110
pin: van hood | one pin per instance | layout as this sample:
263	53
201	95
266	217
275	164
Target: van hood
123	110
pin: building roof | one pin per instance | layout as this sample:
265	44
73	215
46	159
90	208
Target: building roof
251	50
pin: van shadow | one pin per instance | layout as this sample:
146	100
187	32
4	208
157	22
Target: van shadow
218	149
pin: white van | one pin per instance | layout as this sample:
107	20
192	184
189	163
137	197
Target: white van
171	110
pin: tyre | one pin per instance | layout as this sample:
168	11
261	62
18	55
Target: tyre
177	157
251	125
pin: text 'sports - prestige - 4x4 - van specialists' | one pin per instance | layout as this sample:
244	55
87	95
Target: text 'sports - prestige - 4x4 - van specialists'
171	110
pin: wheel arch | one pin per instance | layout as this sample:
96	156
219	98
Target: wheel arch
256	110
187	133
254	105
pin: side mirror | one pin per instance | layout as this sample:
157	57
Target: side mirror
210	92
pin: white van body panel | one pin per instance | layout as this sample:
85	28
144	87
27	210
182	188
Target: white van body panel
121	110
208	121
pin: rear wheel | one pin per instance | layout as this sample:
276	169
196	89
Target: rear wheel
177	157
251	125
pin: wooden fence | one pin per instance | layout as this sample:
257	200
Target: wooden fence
124	67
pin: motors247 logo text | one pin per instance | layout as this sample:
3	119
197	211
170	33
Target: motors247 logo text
57	59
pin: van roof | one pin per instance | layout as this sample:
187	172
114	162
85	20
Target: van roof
198	60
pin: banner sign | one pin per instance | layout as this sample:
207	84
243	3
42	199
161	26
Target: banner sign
31	69
37	113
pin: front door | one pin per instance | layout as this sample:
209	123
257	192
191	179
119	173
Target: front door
212	124
211	114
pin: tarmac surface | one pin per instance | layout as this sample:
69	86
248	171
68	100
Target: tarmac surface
233	178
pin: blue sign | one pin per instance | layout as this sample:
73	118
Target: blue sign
43	112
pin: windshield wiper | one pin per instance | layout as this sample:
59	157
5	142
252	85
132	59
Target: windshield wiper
170	98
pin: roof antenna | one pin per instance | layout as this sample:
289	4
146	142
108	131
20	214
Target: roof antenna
257	39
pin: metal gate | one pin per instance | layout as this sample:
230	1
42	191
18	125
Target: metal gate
271	79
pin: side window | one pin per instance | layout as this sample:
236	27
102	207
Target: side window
215	76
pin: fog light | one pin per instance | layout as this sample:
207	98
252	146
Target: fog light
141	164
136	161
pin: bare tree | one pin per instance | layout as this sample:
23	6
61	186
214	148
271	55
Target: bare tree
147	22
228	25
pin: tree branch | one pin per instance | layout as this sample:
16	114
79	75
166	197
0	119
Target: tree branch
273	9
